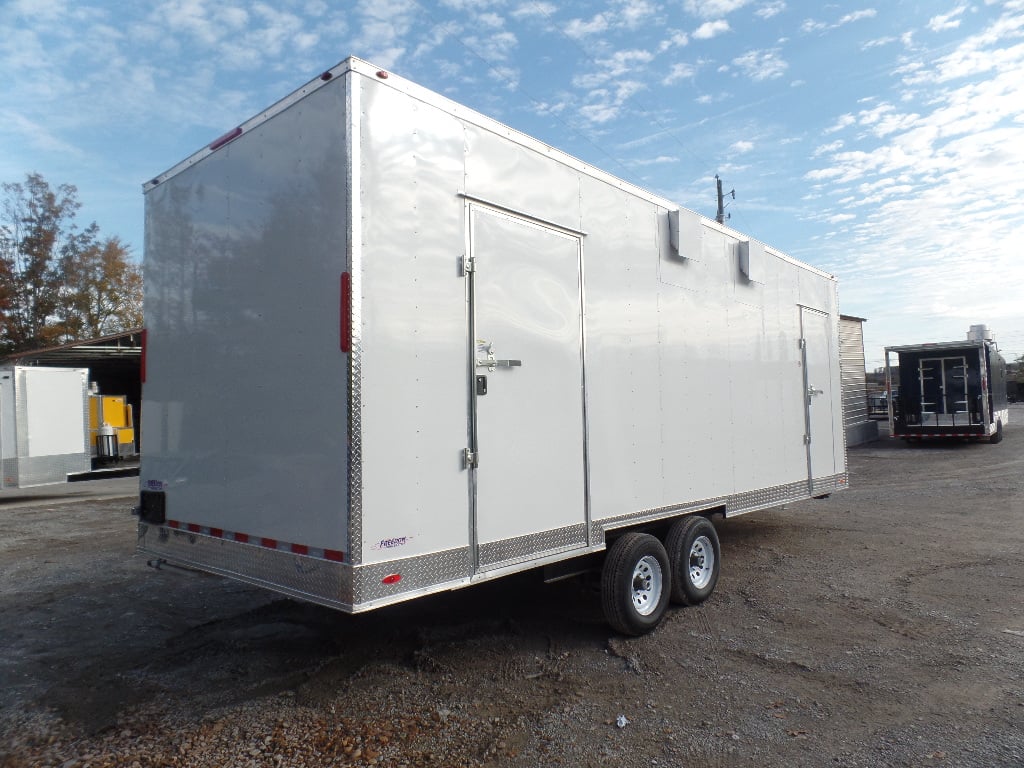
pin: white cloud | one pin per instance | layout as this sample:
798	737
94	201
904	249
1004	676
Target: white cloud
825	149
634	12
761	65
710	29
877	43
867	13
622	14
531	9
491	20
812	25
675	39
946	21
38	136
577	28
712	9
679	71
770	9
841	122
923	179
660	160
741	147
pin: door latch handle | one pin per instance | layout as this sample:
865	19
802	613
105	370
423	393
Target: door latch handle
493	364
812	391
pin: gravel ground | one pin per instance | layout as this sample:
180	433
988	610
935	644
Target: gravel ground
883	626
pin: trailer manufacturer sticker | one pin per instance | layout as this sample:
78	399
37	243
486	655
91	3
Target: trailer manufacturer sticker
398	541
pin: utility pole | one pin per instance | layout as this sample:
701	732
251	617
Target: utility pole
721	217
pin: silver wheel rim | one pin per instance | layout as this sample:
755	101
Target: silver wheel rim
647	585
702	562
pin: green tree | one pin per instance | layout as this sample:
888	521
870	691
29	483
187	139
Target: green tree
102	289
59	283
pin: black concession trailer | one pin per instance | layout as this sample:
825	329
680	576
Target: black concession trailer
952	389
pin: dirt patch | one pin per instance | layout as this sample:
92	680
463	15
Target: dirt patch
881	626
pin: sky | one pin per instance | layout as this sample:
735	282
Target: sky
883	143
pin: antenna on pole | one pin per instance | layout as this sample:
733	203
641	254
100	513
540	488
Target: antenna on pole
721	217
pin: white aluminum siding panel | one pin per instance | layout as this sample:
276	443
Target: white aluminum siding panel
245	403
621	326
415	395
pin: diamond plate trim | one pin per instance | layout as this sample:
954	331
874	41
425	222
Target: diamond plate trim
308	578
510	551
735	504
419	574
829	484
355	382
764	498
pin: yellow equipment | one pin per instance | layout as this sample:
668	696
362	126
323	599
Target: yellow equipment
111	427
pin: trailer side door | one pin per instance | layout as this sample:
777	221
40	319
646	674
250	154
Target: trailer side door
816	333
527	468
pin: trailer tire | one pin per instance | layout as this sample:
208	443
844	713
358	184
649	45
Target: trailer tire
998	436
635	583
695	553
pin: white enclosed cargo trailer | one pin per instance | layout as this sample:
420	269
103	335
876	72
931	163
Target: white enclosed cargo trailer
44	425
394	347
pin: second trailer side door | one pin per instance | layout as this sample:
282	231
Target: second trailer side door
527	418
816	332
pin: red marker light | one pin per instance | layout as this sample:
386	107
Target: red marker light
382	75
229	136
142	356
326	76
393	578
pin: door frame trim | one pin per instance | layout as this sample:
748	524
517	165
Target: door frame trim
469	204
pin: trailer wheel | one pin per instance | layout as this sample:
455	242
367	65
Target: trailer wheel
635	583
693	547
998	436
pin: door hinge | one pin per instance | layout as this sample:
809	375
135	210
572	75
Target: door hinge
468	265
470	458
803	343
807	439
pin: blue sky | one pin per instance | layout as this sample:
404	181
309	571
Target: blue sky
881	142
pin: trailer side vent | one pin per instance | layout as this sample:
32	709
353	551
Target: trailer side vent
685	233
751	255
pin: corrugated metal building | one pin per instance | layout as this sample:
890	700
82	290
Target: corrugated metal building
858	427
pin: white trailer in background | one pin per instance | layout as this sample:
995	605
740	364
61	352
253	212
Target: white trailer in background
44	425
395	347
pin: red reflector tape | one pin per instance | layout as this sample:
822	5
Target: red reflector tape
333	555
229	136
393	578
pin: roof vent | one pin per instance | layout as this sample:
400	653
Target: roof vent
979	333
